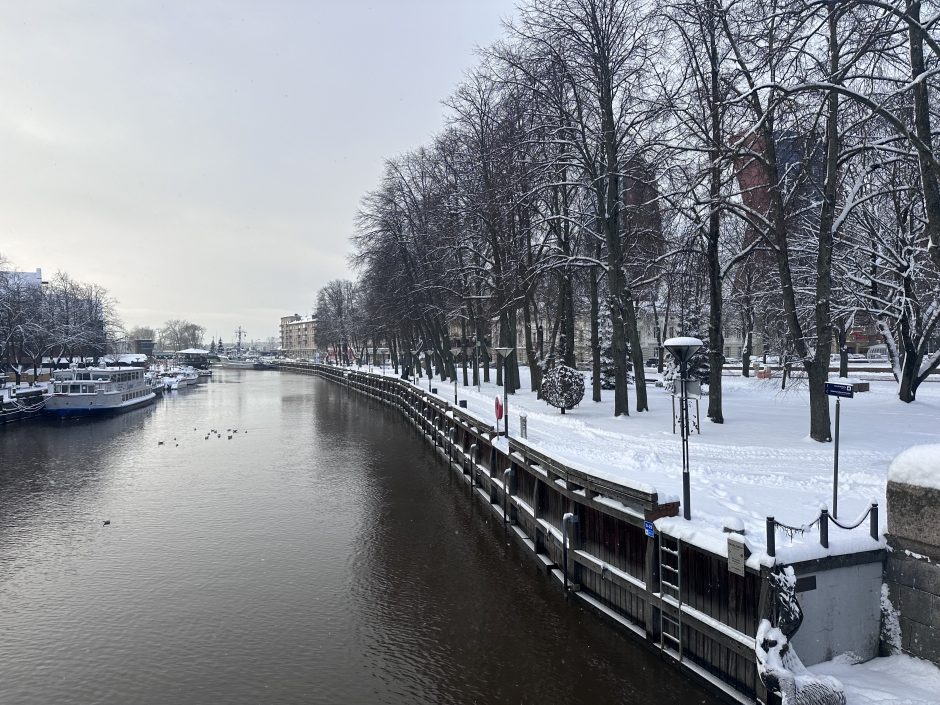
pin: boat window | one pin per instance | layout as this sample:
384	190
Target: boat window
76	388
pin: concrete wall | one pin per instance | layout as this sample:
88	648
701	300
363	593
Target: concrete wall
913	567
841	613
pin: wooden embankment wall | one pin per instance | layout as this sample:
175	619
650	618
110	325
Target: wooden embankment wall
706	625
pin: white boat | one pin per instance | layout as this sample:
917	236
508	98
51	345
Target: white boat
92	391
179	377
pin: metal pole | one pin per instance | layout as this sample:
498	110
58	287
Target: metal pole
684	429
506	393
835	468
455	388
476	364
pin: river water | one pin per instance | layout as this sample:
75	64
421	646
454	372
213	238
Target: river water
320	555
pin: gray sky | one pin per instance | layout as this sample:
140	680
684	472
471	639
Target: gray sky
204	160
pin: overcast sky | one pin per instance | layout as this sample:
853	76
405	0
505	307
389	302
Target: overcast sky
204	160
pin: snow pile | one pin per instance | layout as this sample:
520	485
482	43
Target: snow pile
783	672
894	680
918	465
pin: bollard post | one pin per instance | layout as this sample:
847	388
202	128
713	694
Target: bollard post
824	528
771	537
565	521
507	479
873	521
523	425
571	540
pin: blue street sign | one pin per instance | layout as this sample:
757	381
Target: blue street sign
836	389
649	528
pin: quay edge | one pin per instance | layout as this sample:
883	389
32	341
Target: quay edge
589	535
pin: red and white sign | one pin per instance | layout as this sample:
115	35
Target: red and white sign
499	409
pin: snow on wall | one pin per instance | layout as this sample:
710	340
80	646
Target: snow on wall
918	465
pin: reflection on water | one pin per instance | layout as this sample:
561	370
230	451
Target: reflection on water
320	555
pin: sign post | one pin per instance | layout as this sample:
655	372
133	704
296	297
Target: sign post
837	390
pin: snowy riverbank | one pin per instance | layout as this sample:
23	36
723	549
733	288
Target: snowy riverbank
760	462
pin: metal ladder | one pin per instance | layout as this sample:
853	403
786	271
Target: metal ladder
670	584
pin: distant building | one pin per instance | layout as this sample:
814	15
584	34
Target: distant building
33	279
144	346
194	357
298	336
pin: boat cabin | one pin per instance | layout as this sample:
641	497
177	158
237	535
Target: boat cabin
91	380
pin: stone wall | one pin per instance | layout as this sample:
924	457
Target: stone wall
912	572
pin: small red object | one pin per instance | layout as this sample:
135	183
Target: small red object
499	409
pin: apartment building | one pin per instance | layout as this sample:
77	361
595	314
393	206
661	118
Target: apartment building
298	336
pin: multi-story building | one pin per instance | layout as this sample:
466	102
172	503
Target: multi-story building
298	336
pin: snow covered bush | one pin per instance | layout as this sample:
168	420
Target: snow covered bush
563	387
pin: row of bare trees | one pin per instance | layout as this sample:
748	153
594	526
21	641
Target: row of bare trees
698	165
61	318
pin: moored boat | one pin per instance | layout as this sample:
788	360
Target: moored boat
94	391
240	363
18	403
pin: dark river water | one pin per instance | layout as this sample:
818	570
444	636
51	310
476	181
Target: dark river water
322	555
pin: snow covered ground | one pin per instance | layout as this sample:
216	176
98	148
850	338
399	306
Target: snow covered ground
760	462
894	680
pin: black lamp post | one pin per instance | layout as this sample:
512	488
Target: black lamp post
455	352
504	354
682	349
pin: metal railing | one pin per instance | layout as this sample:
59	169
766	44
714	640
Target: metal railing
822	521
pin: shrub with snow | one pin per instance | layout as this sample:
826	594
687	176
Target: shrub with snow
563	387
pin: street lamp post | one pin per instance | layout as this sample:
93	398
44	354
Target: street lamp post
454	352
476	361
504	353
682	349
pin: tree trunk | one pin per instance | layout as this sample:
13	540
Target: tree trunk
818	373
843	354
535	374
636	355
595	337
715	336
907	385
746	348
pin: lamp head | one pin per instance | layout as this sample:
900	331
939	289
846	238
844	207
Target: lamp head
682	348
504	352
